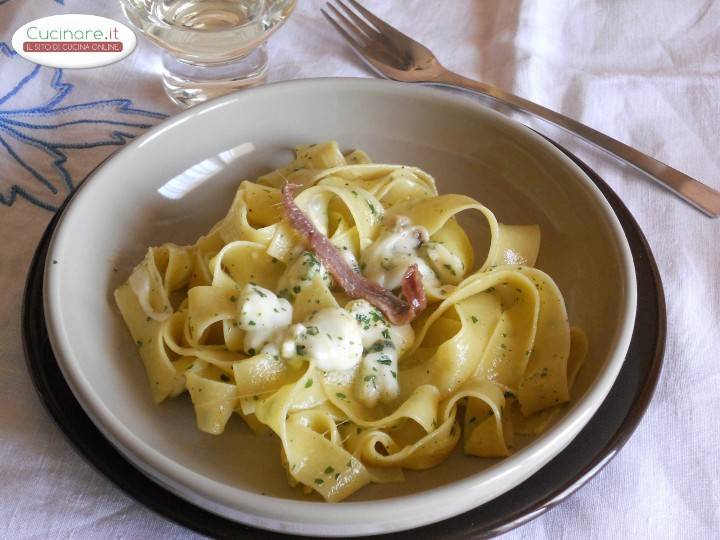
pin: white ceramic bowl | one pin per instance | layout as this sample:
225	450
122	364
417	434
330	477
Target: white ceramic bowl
174	182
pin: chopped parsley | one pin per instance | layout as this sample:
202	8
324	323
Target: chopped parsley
364	320
378	346
308	383
373	210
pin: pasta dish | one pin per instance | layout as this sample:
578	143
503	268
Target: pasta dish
340	305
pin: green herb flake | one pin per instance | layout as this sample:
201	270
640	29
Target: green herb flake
340	395
312	330
329	470
308	383
319	481
474	319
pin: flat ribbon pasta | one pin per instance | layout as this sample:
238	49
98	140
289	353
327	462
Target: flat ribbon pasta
491	360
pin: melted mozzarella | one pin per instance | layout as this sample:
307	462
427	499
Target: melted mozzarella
388	257
383	343
332	338
264	317
300	273
447	266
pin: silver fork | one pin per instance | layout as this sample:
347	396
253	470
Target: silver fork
396	56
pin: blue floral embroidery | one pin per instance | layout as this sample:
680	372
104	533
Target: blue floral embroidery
6	49
39	133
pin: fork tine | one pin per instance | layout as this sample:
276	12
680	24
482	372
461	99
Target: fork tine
350	39
359	21
377	21
349	26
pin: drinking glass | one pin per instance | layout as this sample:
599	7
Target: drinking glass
210	47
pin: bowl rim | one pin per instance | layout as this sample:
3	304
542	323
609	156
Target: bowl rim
301	517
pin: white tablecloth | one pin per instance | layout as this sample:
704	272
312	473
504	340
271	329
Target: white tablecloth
645	71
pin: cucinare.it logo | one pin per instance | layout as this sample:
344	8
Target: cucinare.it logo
74	41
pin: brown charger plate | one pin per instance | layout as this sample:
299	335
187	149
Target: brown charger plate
600	440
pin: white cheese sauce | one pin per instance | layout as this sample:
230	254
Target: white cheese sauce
383	343
300	273
332	339
264	317
403	244
388	257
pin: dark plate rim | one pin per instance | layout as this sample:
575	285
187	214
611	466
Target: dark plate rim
503	523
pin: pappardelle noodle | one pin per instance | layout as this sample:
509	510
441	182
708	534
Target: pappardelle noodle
249	321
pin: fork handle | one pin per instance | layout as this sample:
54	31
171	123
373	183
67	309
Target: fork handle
701	196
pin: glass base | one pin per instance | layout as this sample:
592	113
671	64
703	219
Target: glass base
189	84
